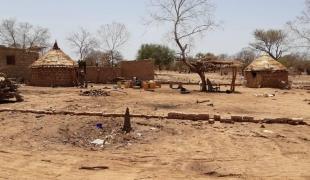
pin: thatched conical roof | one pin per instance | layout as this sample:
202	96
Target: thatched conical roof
54	58
265	63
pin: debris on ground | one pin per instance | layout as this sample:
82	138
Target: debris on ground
98	142
184	91
268	131
211	105
94	168
9	89
95	92
203	101
265	95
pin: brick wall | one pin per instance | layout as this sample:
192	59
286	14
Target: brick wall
53	77
23	59
266	79
143	70
102	74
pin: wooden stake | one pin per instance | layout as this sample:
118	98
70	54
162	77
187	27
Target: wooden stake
127	124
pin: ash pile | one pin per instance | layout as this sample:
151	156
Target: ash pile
95	93
8	89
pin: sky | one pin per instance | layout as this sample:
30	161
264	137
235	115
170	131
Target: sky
237	18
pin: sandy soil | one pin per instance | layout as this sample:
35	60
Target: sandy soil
33	148
285	103
57	147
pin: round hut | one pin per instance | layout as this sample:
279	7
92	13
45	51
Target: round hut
53	69
265	72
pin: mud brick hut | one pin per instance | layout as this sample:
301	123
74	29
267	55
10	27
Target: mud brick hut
266	72
54	69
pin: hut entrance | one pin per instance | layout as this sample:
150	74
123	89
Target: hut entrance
254	74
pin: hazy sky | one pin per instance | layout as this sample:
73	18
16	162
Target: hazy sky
239	18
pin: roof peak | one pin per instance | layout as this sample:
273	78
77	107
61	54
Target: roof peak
56	47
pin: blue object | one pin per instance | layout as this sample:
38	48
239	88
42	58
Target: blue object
99	126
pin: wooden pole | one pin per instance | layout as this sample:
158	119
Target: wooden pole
234	76
127	124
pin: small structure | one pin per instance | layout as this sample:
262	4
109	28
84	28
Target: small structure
213	65
266	72
15	62
53	69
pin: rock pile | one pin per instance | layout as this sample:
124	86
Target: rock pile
95	92
8	89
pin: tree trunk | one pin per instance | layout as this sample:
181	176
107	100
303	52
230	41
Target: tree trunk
203	81
234	77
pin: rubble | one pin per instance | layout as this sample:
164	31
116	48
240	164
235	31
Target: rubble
9	89
95	92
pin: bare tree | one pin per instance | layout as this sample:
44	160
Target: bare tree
23	35
301	27
9	32
271	42
113	37
246	56
97	58
83	42
38	36
187	19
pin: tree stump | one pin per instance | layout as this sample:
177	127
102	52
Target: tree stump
127	124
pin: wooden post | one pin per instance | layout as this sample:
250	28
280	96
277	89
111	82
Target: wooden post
234	77
127	124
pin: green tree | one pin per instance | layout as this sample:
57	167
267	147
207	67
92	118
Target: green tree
163	56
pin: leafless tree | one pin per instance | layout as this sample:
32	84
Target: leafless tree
271	42
38	36
246	56
187	19
9	32
113	37
301	28
24	30
22	35
83	42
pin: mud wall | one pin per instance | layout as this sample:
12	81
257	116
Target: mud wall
143	70
266	79
23	60
53	77
102	74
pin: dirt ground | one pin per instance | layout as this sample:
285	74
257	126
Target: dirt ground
59	146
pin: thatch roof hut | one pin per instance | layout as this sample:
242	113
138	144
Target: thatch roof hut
265	72
55	68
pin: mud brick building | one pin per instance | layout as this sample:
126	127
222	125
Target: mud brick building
15	62
265	72
53	69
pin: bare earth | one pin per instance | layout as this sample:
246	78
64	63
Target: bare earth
58	147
